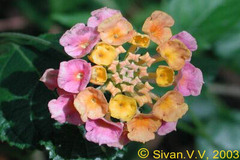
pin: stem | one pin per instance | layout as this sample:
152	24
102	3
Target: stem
132	49
158	58
152	75
108	117
154	96
109	75
151	78
150	105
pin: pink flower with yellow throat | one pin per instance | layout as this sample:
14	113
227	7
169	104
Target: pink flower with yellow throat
79	40
74	75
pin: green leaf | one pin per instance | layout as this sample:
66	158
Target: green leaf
24	115
25	121
60	6
70	19
202	106
228	46
204	19
36	12
109	4
223	132
42	43
68	143
210	66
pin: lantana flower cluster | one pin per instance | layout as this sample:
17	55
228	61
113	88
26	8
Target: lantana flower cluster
105	85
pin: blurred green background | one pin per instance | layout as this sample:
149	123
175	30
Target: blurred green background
213	121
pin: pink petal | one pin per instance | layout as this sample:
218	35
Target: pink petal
49	78
62	110
100	15
62	92
187	39
123	140
167	127
68	75
189	80
79	40
102	131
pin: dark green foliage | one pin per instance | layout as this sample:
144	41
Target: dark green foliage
24	116
25	121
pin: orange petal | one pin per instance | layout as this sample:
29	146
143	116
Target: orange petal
116	78
170	107
146	88
143	99
120	50
113	66
143	72
133	57
157	26
91	103
175	53
136	81
112	89
147	59
133	66
116	30
142	127
127	88
124	63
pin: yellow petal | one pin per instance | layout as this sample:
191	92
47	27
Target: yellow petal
141	40
142	127
122	107
103	54
175	53
91	103
164	76
170	107
98	75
